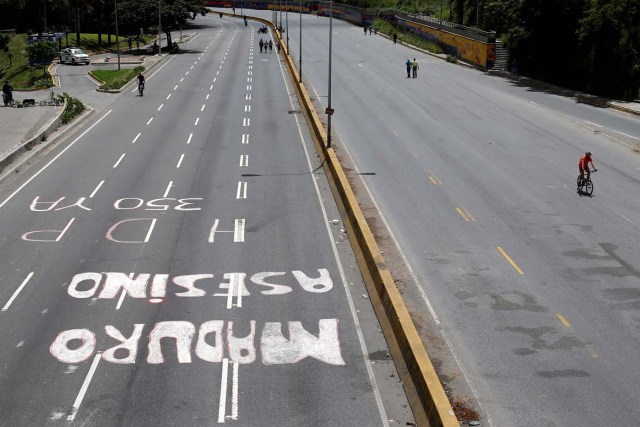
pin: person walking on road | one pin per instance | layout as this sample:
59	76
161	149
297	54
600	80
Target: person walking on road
270	46
370	30
261	45
395	38
414	67
278	46
365	30
408	64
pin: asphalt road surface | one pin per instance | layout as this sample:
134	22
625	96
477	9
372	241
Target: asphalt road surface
178	260
533	286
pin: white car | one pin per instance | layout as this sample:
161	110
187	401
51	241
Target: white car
74	56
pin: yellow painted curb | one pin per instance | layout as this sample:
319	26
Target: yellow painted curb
426	395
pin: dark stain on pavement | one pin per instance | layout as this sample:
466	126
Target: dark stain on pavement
564	373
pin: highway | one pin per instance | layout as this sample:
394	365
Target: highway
527	293
178	259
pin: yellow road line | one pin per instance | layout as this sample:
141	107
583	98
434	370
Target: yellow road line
466	218
573	332
471	218
434	180
513	264
394	132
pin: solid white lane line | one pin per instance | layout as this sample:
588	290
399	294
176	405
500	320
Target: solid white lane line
238	230
189	139
241	193
168	96
15	294
234	392
197	120
245	138
363	346
166	193
96	189
12	195
625	134
136	138
180	161
119	160
150	120
160	107
244	160
202	109
591	123
85	386
223	390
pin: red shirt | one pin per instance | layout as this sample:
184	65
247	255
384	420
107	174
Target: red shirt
584	162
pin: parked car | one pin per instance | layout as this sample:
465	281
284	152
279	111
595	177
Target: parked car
74	56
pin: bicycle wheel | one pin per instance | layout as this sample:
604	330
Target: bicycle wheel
589	187
579	182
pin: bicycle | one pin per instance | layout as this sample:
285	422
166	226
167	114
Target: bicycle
585	185
141	88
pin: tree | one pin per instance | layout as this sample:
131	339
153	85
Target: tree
42	53
4	47
144	13
610	30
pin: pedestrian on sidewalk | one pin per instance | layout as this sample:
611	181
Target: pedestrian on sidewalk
365	30
408	64
395	38
130	40
414	66
270	46
261	45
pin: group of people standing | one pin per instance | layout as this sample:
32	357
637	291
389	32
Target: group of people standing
412	66
268	46
370	29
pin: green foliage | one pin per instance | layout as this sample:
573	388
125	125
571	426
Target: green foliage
42	52
385	27
116	79
73	108
452	59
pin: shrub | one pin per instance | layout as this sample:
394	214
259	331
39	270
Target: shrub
73	108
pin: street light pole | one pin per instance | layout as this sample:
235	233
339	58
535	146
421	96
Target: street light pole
159	30
329	110
300	55
286	14
115	4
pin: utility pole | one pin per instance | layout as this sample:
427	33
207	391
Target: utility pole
329	110
115	4
159	30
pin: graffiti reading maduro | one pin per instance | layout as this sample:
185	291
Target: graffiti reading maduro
214	338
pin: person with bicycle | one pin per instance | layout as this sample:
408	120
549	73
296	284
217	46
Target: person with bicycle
7	93
140	83
583	165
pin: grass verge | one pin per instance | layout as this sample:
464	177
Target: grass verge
406	37
20	74
115	79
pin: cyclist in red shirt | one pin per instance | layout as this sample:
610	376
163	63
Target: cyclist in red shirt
583	164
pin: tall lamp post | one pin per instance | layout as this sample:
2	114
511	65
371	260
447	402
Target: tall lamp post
286	14
300	55
159	30
329	110
115	5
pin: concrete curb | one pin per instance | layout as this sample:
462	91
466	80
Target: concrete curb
427	397
36	144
